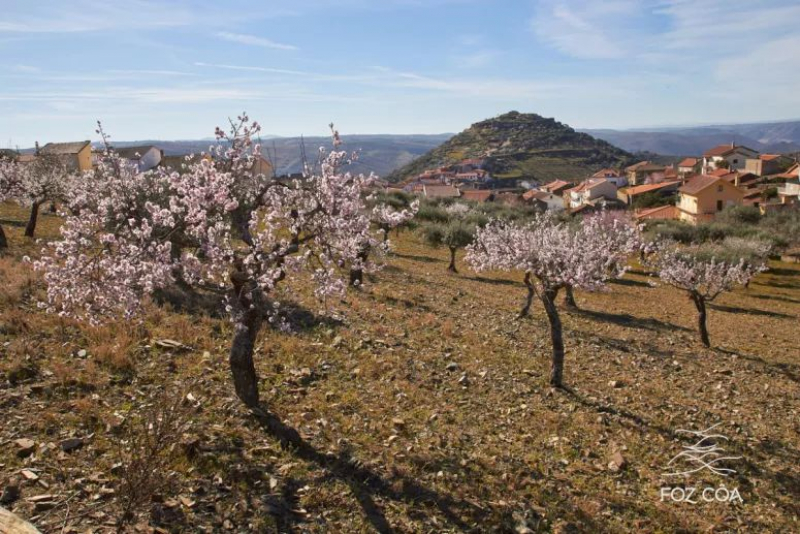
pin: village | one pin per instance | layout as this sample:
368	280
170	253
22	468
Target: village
693	190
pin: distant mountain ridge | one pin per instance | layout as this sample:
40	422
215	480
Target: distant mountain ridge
378	153
523	146
767	137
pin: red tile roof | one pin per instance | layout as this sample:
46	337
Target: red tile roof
722	150
688	162
556	185
646	188
636	166
719	150
698	183
606	173
660	212
719	173
480	195
586	185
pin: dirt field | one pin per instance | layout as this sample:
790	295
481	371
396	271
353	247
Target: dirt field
423	406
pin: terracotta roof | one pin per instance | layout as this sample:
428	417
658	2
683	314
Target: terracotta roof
698	183
586	185
669	172
636	166
719	173
770	157
478	195
64	148
722	150
646	188
440	191
606	173
556	185
660	212
688	162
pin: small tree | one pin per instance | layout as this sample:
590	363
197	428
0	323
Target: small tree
455	234
46	179
553	256
385	217
217	227
12	178
703	276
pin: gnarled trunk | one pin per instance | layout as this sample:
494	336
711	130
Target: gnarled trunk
526	308
243	369
452	266
3	239
700	304
548	297
30	229
251	301
569	299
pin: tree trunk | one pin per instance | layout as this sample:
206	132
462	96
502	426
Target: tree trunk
569	299
252	303
700	303
452	266
30	229
386	231
243	369
548	297
357	273
3	239
529	299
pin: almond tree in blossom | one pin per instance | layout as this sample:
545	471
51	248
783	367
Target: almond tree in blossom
553	256
218	227
11	180
703	277
386	218
46	178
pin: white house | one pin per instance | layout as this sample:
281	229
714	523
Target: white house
591	189
735	156
144	157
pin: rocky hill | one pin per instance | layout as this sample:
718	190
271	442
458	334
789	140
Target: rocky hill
523	146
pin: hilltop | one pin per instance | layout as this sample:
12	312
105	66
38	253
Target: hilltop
523	145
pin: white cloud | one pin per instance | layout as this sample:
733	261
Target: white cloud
588	29
254	40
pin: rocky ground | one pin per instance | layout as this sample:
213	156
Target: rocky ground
422	405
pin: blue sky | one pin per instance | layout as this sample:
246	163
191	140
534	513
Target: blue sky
174	70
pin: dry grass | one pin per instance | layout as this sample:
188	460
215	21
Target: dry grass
483	447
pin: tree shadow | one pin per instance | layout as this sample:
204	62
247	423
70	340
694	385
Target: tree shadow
183	298
365	484
630	282
776	297
418	257
496	282
789	370
782	285
624	319
625	415
749	311
301	318
13	222
780	271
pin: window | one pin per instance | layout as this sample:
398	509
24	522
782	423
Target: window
719	189
735	161
719	205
